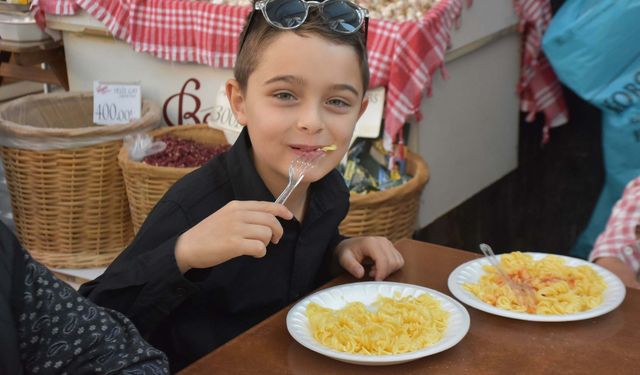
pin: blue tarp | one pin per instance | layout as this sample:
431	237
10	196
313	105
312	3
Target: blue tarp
594	48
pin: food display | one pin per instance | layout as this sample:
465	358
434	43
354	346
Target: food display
559	289
408	10
184	153
369	167
389	326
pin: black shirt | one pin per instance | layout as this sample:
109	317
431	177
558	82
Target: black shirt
189	316
47	328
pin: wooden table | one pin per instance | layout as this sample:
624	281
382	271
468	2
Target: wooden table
609	344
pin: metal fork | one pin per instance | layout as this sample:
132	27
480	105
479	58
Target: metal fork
524	293
298	167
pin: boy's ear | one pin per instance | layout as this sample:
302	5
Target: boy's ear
236	100
364	105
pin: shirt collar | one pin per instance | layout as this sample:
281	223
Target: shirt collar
245	180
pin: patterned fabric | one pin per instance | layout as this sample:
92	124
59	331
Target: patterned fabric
60	332
619	238
539	88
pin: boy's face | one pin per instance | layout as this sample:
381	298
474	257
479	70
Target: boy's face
305	93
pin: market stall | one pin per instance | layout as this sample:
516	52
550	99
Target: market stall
479	45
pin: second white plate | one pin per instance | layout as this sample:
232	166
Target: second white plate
470	272
367	292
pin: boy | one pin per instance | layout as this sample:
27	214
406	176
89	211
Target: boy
216	255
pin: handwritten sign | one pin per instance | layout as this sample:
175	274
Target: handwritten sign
221	116
116	103
368	126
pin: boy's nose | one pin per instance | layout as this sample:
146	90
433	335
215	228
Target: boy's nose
310	120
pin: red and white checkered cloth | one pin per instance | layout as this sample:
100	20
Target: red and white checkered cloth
539	88
403	57
619	237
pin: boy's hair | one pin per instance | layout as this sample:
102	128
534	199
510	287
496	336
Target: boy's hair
261	34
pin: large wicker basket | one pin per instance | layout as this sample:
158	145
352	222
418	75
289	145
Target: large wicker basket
67	192
146	184
390	213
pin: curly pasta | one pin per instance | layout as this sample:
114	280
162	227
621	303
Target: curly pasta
398	325
559	289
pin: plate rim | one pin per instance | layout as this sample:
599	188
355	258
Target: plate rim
471	300
380	359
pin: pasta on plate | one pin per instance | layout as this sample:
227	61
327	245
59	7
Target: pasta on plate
559	288
389	326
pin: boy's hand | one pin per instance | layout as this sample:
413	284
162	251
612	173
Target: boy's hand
238	228
353	251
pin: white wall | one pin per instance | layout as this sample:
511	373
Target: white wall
469	133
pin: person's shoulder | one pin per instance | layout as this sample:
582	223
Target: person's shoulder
335	180
332	187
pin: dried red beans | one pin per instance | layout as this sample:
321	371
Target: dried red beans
184	153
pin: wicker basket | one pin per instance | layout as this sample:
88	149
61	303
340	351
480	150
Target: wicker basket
390	213
146	184
67	192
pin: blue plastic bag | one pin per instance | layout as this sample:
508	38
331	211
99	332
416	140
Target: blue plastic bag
593	48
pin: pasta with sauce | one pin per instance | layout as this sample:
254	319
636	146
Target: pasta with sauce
396	325
559	289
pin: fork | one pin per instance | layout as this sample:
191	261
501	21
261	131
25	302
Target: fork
298	167
524	293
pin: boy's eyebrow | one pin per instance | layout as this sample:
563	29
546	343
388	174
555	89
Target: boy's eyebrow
347	87
286	78
299	81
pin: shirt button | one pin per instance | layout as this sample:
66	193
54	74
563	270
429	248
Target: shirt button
628	250
180	291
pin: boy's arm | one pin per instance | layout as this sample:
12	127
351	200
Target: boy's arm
335	267
144	282
330	266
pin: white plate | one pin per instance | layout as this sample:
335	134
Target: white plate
367	292
471	271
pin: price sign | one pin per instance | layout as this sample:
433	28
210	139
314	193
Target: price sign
221	116
116	103
368	126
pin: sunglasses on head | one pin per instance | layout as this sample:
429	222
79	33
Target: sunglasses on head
341	16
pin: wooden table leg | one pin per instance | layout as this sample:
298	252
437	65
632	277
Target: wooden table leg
4	58
58	66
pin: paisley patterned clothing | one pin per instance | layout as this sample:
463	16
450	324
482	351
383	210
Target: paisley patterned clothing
48	328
